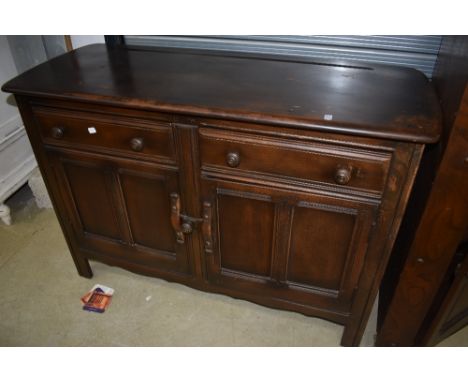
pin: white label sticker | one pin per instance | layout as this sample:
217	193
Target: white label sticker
328	117
92	130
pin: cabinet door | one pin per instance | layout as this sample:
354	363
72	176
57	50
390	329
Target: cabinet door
121	209
299	247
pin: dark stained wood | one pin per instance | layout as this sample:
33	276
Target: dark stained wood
47	172
88	200
272	242
406	161
413	213
450	79
222	173
245	233
176	220
130	137
186	138
442	227
113	40
451	314
292	159
444	221
317	255
379	101
148	209
108	211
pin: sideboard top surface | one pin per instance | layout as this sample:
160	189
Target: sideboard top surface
377	101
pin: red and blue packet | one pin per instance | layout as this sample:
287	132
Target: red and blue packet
97	299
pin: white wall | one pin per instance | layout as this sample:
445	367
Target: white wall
9	115
80	40
16	157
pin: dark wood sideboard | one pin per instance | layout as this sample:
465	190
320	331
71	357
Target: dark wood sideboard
280	182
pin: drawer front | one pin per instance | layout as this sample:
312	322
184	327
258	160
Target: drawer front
90	131
308	162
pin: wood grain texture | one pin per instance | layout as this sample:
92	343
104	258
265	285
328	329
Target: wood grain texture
317	237
264	245
295	159
81	262
235	184
121	224
107	134
452	313
388	222
186	138
443	225
380	101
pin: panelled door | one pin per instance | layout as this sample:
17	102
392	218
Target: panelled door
296	246
123	208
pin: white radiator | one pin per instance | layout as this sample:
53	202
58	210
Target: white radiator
16	161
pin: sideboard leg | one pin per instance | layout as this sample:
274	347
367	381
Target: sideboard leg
5	214
354	329
348	336
83	267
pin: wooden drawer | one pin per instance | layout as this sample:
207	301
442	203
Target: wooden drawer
309	162
106	133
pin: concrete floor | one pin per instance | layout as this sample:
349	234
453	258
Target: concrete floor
40	301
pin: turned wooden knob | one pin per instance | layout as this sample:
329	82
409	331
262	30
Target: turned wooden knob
137	144
57	132
343	175
233	159
187	228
